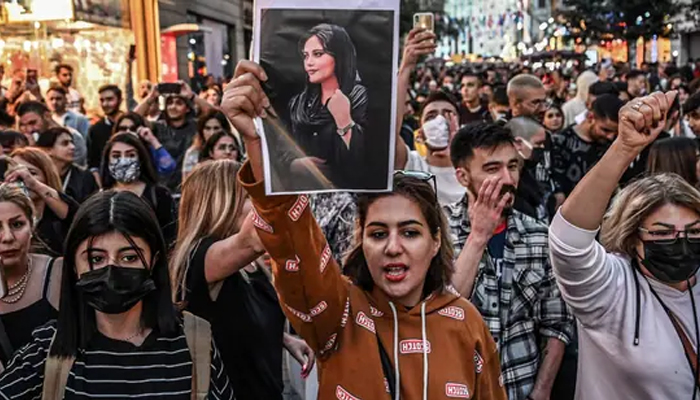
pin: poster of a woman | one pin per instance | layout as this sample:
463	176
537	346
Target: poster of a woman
331	82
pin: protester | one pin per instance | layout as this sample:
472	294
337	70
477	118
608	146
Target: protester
516	295
217	278
33	281
34	119
11	140
576	149
208	125
634	293
636	84
64	75
179	128
596	90
472	108
117	322
402	256
691	109
127	166
439	122
77	182
134	123
553	119
678	155
57	102
212	95
527	97
54	209
499	106
221	146
530	141
100	132
577	105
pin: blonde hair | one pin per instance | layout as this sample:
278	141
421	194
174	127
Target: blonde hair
619	233
210	206
41	160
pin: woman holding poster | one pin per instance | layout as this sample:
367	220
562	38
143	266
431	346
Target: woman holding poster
392	327
328	116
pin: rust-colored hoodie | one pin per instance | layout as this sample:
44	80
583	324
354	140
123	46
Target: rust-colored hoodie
439	349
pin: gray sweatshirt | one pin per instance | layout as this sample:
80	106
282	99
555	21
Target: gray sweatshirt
600	289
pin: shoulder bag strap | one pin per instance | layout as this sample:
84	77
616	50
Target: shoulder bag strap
56	373
687	346
198	334
387	368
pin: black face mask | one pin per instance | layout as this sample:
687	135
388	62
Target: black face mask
672	262
114	289
537	155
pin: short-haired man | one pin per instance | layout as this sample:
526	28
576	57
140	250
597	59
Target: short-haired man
472	108
34	119
499	107
596	90
502	264
578	148
64	75
99	134
636	83
57	101
527	97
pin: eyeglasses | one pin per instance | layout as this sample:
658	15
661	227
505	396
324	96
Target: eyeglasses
422	176
671	235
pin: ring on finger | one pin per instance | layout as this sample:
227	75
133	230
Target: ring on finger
637	106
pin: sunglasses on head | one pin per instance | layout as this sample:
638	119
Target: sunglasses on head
422	176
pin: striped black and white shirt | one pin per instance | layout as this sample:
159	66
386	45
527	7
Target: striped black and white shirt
161	368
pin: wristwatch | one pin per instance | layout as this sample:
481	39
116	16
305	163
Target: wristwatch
344	131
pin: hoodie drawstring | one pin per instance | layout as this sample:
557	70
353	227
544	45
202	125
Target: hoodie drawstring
425	352
424	335
397	371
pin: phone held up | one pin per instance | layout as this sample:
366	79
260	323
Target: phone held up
169	88
424	21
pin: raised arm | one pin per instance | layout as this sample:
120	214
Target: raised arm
419	42
312	291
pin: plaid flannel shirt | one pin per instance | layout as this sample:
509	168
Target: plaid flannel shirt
524	307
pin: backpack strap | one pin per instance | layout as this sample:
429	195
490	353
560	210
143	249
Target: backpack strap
56	373
198	334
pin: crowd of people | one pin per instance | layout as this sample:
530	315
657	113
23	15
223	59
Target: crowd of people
539	242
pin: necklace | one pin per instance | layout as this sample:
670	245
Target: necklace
140	331
16	291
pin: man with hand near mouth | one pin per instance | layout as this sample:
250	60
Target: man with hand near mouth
502	262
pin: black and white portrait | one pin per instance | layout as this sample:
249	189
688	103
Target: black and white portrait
331	81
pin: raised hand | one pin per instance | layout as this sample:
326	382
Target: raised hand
643	119
419	42
243	98
486	209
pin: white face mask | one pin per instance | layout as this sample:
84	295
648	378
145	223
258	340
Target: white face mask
437	133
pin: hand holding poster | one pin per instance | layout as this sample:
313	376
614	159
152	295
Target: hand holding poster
332	70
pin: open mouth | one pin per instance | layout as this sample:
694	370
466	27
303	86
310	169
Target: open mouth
395	272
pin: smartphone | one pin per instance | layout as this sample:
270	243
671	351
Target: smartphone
132	52
424	21
169	88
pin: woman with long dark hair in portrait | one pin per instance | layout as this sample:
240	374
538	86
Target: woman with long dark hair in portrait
118	334
394	325
329	117
78	182
54	209
127	166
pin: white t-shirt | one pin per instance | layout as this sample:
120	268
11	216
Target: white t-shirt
448	188
599	287
73	99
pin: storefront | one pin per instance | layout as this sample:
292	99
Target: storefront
94	37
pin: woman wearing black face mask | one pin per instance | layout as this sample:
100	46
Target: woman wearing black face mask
117	323
635	294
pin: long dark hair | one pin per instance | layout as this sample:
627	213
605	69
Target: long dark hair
677	155
148	172
422	194
210	145
199	140
337	43
103	213
133	117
